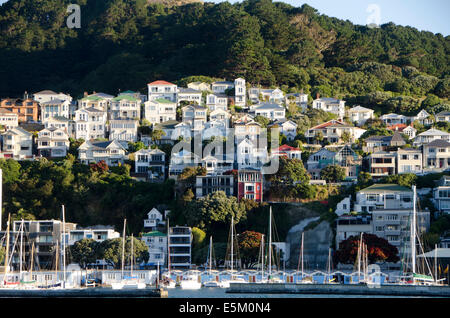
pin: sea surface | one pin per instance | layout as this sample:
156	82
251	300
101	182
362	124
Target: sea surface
221	293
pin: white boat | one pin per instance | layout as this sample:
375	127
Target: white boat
130	282
190	282
234	279
212	283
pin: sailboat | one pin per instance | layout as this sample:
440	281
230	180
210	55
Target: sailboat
211	282
167	281
234	278
127	282
270	278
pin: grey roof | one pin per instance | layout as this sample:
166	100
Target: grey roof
379	138
443	113
104	95
46	92
269	106
188	90
439	143
54	101
170	124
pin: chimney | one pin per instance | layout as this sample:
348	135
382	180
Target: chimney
25	95
317	96
85	94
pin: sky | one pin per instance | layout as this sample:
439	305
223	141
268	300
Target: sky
425	15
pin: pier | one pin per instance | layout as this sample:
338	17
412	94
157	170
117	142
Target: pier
83	293
339	289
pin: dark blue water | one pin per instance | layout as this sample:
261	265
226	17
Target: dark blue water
221	293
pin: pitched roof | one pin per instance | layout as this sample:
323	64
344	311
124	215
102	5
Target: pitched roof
125	96
383	187
439	143
287	148
332	123
46	92
434	132
268	106
160	82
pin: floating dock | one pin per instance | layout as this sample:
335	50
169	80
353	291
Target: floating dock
83	293
339	289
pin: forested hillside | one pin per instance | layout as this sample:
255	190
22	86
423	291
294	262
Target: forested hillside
124	44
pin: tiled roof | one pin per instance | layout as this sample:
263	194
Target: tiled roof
157	83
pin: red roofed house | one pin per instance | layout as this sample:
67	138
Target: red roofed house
250	184
408	130
288	151
162	89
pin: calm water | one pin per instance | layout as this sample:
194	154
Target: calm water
220	293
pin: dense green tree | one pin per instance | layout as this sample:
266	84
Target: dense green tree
332	173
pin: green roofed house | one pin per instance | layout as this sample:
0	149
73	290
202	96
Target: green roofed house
383	196
160	110
125	106
96	100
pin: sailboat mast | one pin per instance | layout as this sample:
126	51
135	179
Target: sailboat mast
168	246
413	233
64	243
270	242
32	261
232	239
210	255
302	252
21	244
7	248
56	261
131	256
359	256
262	256
123	244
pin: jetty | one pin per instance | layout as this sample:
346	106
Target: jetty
95	292
339	289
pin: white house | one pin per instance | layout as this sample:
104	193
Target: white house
53	142
217	102
394	119
123	130
157	247
424	118
331	105
189	95
288	128
90	123
441	195
271	111
240	94
17	143
160	110
333	131
359	115
288	152
195	116
220	115
430	135
154	219
151	161
97	233
181	160
8	119
220	87
61	122
55	108
162	89
125	106
250	155
97	100
48	95
112	152
443	116
269	95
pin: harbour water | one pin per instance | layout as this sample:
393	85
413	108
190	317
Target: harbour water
221	293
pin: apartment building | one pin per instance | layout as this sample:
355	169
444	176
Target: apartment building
208	184
180	244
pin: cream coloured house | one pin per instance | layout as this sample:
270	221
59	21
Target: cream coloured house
53	142
112	152
90	123
17	143
359	115
160	110
125	107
